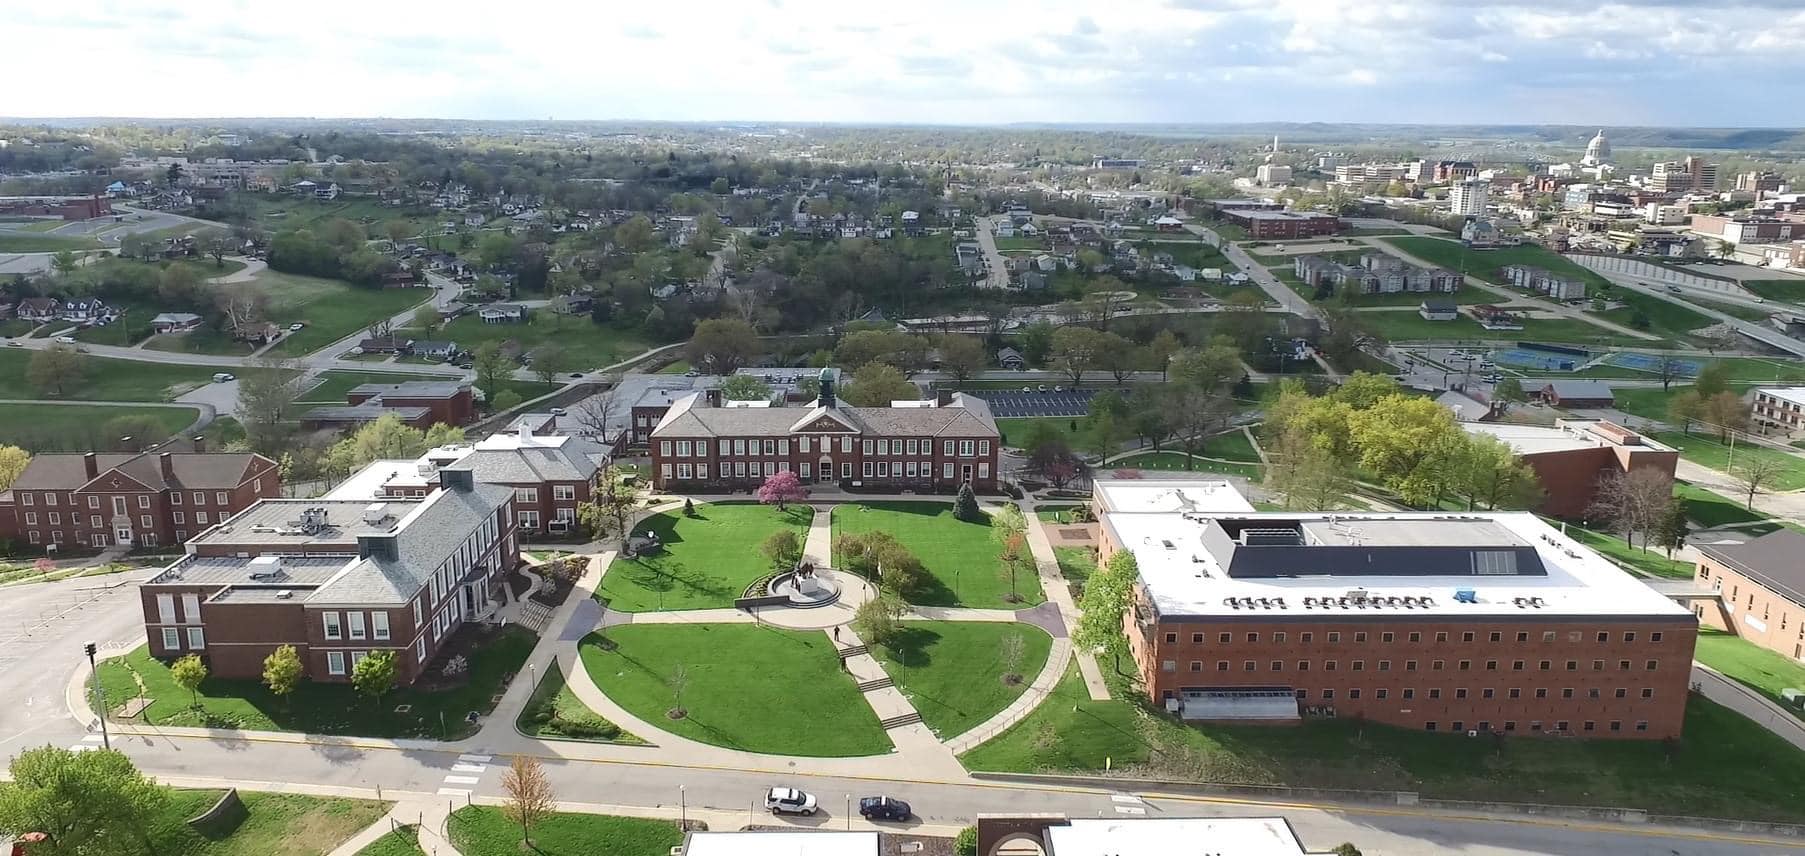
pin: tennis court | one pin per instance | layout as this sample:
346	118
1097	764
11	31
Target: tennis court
1652	364
1523	358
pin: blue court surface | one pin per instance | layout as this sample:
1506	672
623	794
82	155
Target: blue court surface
1526	359
1650	364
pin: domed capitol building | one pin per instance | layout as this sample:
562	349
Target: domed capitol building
1598	151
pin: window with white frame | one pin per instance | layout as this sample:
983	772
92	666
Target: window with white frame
31	518
94	501
331	624
965	448
144	521
564	492
983	471
912	447
34	537
175	498
358	657
526	494
56	518
191	608
739	446
197	638
569	515
883	469
379	626
983	447
420	650
870	447
739	469
909	469
200	517
682	448
683	471
770	447
94	520
665	470
199	498
165	609
947	448
50	498
726	446
354	621
802	444
846	444
416	605
883	447
528	519
335	662
845	469
946	471
783	447
664	448
177	516
222	498
868	469
783	466
143	501
701	473
806	469
172	639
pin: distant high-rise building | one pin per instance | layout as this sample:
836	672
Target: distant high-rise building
1271	174
1598	151
1760	182
1693	173
1467	198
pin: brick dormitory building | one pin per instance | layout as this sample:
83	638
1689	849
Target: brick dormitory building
155	498
1440	622
704	444
337	580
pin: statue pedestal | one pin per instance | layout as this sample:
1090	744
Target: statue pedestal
810	585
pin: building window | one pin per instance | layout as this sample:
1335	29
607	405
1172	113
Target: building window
1656	636
883	447
379	625
219	498
684	471
1225	638
1629	636
1642	725
1491	665
143	520
1650	666
682	448
172	639
945	449
846	444
335	662
564	492
333	630
200	517
197	638
1196	665
870	447
56	519
1429	726
946	471
1303	665
802	444
664	448
664	470
1334	636
1409	665
1171	638
177	516
94	501
1441	637
1327	694
1168	666
1278	665
1197	639
31	518
1466	665
1567	693
355	622
846	470
1435	692
1221	665
527	519
526	494
1307	636
1247	665
869	469
965	448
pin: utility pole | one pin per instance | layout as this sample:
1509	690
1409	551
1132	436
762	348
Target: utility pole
99	696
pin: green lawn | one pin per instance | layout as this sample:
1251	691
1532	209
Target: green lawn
678	367
707	560
13	242
1076	564
335	383
1710	510
485	831
1748	369
1707	451
1790	290
1486	264
952	671
1651	562
1646	402
1057	513
588	344
554	712
1466	296
1708	775
203	340
1231	446
272	825
1181	461
106	379
321	708
959	555
1409	326
404	841
1767	672
332	309
1665	317
1018	430
1006	244
749	687
78	427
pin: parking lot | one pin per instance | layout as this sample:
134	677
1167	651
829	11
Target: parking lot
1009	405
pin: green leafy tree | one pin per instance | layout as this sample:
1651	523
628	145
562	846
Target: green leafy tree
1685	408
1037	342
427	320
722	345
610	509
1671	532
507	400
56	369
282	671
961	356
65	263
878	621
745	388
375	675
13	461
84	803
1510	389
877	384
1105	602
189	673
549	361
1713	378
386	437
1075	351
965	505
783	548
1159	351
492	367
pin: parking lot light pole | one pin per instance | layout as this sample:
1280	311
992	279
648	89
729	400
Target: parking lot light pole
682	809
100	696
849	812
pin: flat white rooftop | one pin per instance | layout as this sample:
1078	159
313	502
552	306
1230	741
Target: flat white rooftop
1567	435
1135	496
366	484
1788	394
781	844
1160	836
1379	564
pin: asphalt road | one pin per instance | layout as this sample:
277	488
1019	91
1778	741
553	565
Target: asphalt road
1289	301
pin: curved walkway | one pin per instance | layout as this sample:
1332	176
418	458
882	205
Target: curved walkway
252	267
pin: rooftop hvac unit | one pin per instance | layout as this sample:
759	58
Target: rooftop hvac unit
285	594
1466	596
374	513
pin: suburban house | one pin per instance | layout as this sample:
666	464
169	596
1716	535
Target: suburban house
175	322
87	310
38	309
154	498
433	348
1011	359
1572	458
381	345
706	444
502	313
338	580
1495	317
324	189
1438	309
550	475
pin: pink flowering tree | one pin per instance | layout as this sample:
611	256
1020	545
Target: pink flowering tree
781	489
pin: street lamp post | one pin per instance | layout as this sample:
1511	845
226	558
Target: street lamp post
849	812
682	809
100	696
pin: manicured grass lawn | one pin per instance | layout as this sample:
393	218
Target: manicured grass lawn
13	242
952	671
678	367
106	379
1005	244
1764	671
1056	513
1406	326
77	427
1076	564
587	343
1710	510
1705	450
1652	562
1018	430
555	712
485	831
334	384
273	825
1791	290
750	687
960	556
1232	446
706	561
321	708
1664	316
1486	264
404	841
204	340
1708	775
1179	461
1646	402
1466	296
332	309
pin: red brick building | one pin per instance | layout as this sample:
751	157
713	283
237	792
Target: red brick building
149	499
705	445
337	580
66	207
420	404
1572	458
1760	587
1282	225
1465	623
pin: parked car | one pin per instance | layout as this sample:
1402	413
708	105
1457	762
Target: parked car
576	375
789	801
883	808
1041	388
65	340
298	325
223	377
556	411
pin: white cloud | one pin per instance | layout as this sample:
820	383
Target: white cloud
927	61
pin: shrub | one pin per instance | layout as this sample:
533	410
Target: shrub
966	842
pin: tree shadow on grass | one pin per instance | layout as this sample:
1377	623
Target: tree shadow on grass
909	648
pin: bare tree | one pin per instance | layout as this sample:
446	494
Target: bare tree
679	683
593	412
243	308
1755	473
529	795
1633	502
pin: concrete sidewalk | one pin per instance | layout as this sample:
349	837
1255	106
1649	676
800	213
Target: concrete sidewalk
428	817
1060	595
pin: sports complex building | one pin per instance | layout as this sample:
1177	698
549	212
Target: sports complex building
1470	622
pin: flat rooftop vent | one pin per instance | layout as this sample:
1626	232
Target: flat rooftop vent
1274	537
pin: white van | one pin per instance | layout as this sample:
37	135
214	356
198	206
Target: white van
223	377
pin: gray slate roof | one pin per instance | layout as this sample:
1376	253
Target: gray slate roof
424	541
967	416
410	389
1771	560
576	459
192	470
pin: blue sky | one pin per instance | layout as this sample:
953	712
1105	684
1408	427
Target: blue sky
1645	62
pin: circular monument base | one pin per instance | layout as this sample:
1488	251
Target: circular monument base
805	592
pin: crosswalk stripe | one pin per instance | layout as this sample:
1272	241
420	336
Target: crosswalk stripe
92	738
1129	809
453	792
1125	798
468	768
460	780
480	759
